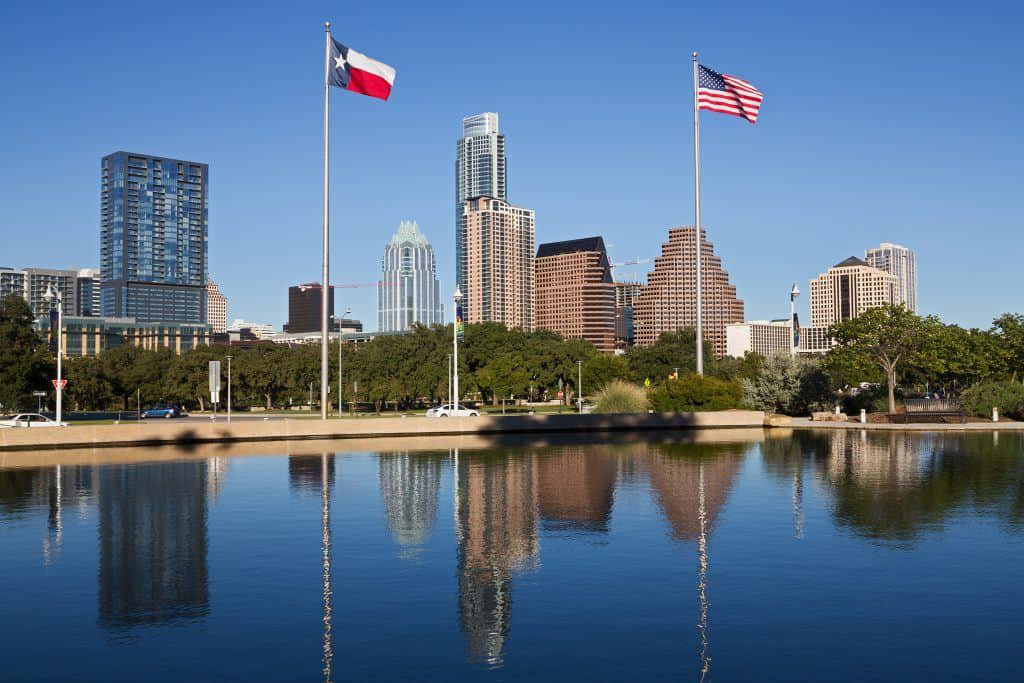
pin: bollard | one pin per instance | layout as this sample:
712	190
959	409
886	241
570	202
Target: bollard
837	410
995	414
863	416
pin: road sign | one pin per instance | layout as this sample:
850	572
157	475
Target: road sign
39	394
215	381
59	383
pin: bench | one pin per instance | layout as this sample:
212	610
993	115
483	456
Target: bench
929	410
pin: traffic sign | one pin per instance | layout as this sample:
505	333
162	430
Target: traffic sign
59	383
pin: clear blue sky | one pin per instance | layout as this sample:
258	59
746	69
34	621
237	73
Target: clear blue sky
884	122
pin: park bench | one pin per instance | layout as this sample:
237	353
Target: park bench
929	410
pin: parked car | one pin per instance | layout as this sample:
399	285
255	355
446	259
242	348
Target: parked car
29	420
449	410
166	412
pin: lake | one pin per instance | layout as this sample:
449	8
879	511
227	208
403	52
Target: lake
718	555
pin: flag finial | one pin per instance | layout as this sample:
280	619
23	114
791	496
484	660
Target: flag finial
327	25
695	54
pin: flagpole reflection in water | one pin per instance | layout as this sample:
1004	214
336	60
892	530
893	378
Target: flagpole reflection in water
702	596
51	548
325	558
798	502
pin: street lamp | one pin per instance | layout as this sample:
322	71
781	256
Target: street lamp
793	340
229	389
455	349
579	384
50	296
341	384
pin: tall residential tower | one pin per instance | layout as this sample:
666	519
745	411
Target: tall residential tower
409	291
153	238
899	261
849	288
499	263
479	172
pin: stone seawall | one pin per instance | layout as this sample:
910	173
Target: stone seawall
170	432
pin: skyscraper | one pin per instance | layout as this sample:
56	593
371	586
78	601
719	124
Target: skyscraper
216	307
627	294
574	293
153	238
669	300
479	172
900	261
408	291
304	308
499	263
88	293
848	289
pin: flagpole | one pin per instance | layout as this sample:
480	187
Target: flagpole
325	292
696	217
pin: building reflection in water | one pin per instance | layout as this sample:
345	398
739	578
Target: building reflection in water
306	473
152	543
496	524
409	487
576	488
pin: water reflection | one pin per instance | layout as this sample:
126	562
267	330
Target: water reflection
409	486
152	544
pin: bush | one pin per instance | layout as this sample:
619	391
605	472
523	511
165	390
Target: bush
982	397
787	384
874	399
693	392
619	396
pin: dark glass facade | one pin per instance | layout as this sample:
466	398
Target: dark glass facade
304	308
153	252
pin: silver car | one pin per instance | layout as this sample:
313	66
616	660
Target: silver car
29	420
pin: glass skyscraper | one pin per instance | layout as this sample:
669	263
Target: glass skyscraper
153	241
409	291
479	172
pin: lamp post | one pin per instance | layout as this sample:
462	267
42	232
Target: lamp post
341	384
50	296
793	294
449	379
229	389
455	349
579	384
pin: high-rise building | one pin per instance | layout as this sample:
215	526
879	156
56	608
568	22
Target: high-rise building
88	293
304	308
409	291
153	238
627	294
574	294
899	261
499	263
848	289
479	172
13	282
216	307
39	280
669	300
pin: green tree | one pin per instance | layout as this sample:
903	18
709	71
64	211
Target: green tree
787	384
1008	332
88	388
602	369
660	360
886	339
691	392
24	362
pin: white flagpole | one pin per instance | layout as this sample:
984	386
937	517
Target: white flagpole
696	217
325	292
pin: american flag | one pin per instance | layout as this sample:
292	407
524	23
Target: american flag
727	94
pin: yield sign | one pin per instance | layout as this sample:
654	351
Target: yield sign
59	383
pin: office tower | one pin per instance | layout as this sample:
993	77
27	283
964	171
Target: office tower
901	262
763	337
479	172
499	263
574	294
626	296
88	293
669	300
408	291
409	486
216	307
848	289
304	308
38	280
153	238
13	282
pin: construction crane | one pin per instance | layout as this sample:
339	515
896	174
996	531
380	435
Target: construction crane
357	285
634	262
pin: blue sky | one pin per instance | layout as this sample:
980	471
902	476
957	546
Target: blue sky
881	122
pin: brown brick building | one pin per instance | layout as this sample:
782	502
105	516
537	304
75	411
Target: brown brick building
574	294
669	301
499	263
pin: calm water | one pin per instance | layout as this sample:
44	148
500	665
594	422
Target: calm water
820	556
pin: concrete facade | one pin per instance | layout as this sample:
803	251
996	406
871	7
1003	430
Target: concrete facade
848	289
574	294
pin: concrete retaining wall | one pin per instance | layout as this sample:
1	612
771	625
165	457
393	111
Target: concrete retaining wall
170	432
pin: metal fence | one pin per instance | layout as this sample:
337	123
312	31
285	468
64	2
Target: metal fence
932	405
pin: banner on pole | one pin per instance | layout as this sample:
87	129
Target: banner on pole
460	328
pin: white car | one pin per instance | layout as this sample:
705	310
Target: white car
448	410
30	420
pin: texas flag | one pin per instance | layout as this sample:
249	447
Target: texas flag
351	70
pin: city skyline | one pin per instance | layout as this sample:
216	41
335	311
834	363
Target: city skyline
833	166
